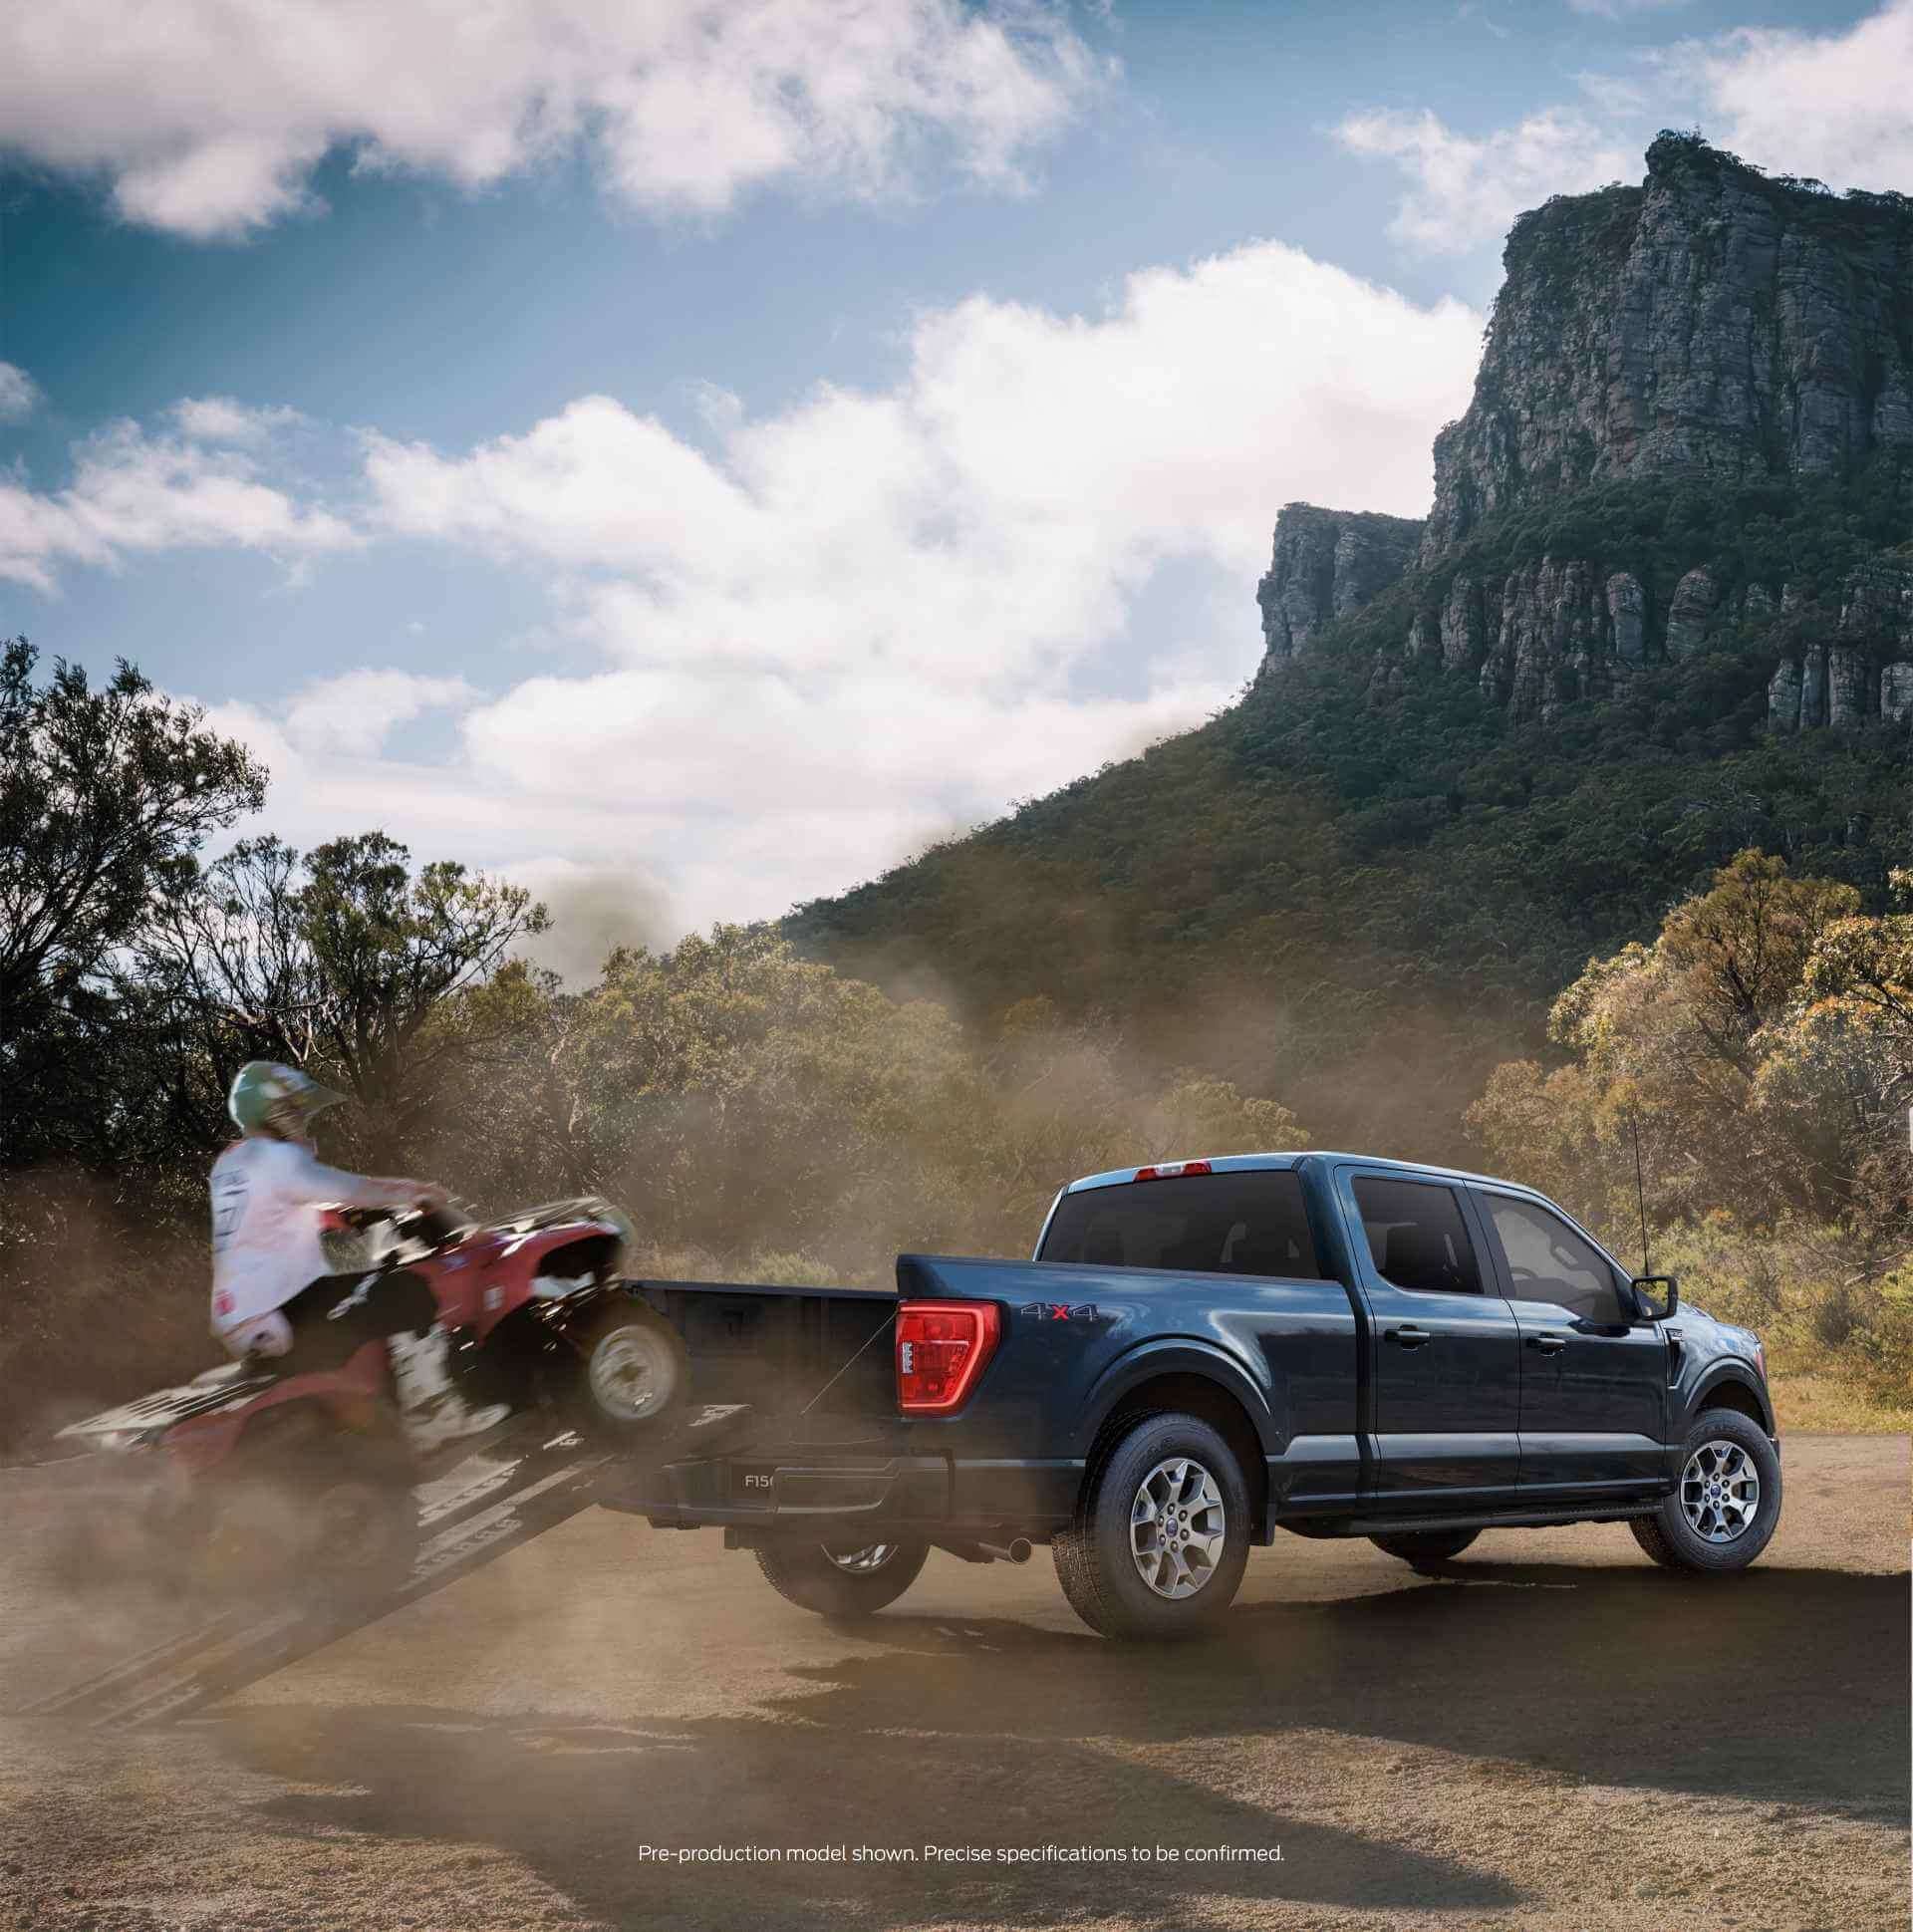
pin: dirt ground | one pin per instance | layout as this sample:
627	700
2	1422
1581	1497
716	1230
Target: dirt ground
1558	1737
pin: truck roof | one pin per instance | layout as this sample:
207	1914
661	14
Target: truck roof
1239	1163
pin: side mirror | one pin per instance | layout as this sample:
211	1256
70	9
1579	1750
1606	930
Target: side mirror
1658	1295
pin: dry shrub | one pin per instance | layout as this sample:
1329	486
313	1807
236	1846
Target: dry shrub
1822	1299
101	1299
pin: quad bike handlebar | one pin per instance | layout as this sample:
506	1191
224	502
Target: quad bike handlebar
431	1226
435	1227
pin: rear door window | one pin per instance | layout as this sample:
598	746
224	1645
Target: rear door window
1416	1237
1251	1221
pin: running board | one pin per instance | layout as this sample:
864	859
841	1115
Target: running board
1518	1519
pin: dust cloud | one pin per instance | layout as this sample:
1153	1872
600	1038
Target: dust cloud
595	910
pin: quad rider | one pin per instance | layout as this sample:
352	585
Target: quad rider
273	1293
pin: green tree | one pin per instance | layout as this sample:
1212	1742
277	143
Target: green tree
350	963
1747	1090
104	796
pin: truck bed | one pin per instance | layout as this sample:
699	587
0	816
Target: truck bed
816	1354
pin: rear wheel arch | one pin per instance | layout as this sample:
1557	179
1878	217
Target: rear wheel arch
1181	1390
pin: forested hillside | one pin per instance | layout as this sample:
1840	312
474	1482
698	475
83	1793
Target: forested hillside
1663	612
1360	896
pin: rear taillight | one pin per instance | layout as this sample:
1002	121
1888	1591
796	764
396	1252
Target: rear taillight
942	1347
1168	1170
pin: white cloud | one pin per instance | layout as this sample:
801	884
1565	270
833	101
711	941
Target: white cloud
132	491
19	393
727	799
207	117
827	635
1464	191
834	631
1027	470
219	418
1836	105
357	711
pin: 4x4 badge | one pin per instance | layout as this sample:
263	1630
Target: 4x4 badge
1060	1310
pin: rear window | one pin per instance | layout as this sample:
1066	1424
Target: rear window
1248	1223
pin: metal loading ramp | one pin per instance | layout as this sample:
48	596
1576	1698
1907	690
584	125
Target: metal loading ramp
489	1504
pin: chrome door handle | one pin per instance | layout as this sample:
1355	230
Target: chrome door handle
1408	1337
1547	1344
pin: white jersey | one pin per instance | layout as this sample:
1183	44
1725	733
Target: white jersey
267	1200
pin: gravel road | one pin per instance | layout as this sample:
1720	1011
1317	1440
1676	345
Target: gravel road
1557	1737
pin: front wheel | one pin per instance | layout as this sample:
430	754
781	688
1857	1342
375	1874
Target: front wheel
634	1374
1159	1539
1426	1550
1727	1503
837	1580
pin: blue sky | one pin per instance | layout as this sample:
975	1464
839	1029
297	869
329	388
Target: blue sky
687	464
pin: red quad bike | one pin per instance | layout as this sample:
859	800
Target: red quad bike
261	1478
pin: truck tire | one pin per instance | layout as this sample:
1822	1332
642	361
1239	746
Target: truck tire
841	1583
1426	1550
1159	1539
1726	1504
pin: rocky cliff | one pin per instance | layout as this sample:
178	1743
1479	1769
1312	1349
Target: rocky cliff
1692	428
1327	564
1861	668
1546	634
1711	323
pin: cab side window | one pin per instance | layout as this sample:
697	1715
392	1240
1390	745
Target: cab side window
1416	1236
1548	1262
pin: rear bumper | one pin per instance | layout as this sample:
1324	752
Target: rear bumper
802	1490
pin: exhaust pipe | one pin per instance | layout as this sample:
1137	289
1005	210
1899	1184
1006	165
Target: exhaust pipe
1015	1552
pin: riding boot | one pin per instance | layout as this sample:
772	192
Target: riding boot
430	1407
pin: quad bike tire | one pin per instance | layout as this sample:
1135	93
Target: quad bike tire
332	1518
842	1585
634	1375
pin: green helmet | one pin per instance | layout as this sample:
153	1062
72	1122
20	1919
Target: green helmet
267	1098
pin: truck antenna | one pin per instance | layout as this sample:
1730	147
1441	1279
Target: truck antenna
1640	1191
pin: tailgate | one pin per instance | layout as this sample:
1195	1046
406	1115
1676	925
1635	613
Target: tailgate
822	1352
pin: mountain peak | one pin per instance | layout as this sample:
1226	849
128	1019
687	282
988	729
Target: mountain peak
1714	324
1327	564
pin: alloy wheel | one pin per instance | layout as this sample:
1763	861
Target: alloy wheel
861	1562
1177	1527
1719	1492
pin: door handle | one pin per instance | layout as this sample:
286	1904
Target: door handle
1410	1338
1547	1344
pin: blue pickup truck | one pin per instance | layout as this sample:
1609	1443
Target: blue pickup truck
1201	1353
